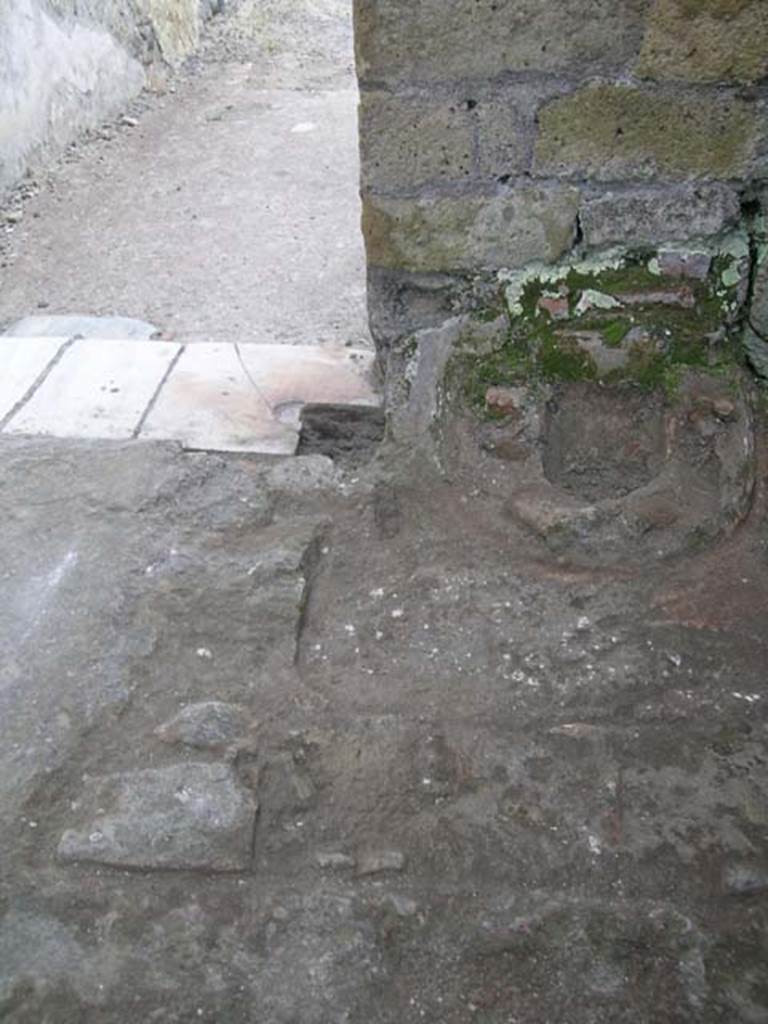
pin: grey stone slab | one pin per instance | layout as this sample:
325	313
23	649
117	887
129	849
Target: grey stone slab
648	217
76	326
182	816
447	234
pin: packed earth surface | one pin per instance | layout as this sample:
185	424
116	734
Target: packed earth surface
361	736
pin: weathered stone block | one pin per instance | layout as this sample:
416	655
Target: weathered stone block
506	126
415	388
443	39
471	233
400	303
610	132
706	41
182	816
652	216
413	141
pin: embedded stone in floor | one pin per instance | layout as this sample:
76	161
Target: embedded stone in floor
285	550
23	360
99	389
291	375
249	397
210	725
184	816
116	328
210	403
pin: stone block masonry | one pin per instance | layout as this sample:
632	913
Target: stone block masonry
500	133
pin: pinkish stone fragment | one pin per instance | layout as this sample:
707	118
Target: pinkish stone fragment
693	265
555	305
504	401
682	297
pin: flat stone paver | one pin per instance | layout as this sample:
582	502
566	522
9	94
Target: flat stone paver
216	397
99	389
209	403
286	375
181	816
22	361
246	398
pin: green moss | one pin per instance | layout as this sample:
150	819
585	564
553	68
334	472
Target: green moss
559	359
529	300
615	331
490	313
632	276
510	365
671	338
649	370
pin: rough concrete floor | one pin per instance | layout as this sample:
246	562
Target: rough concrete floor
229	210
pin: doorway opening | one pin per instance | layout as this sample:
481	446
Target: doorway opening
225	214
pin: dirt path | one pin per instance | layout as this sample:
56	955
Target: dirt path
225	209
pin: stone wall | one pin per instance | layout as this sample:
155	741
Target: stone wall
66	65
501	134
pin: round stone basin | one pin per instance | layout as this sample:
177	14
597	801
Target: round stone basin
603	443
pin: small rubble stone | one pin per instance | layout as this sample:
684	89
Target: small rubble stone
184	816
605	358
745	879
682	297
690	264
210	725
556	305
377	862
334	860
591	299
403	906
387	510
505	401
724	408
